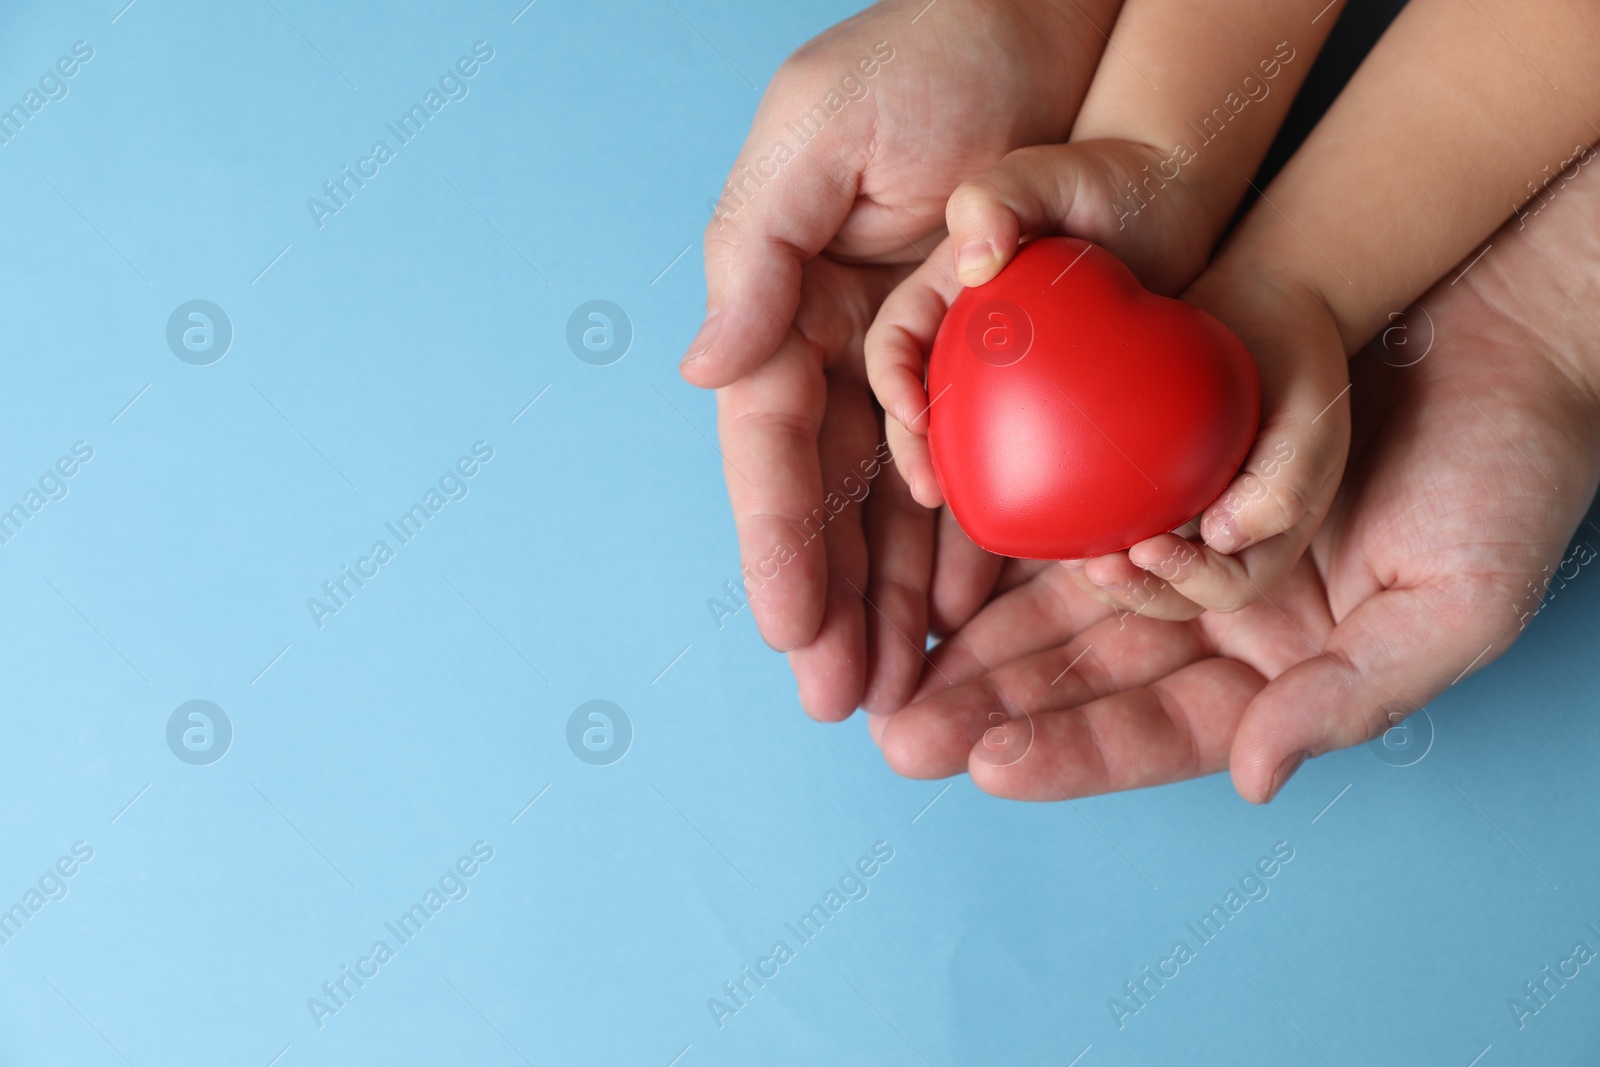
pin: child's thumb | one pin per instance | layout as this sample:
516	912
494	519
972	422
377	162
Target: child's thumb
1029	192
1083	189
1048	189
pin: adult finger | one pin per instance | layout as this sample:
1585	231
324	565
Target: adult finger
900	542
1166	706
1387	658
774	216
1037	615
768	422
964	576
936	735
831	669
1176	727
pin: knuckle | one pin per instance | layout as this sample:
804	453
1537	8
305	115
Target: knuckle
1030	157
1163	611
791	427
1097	677
971	202
722	234
1275	510
1289	500
1172	567
1230	598
806	67
1383	716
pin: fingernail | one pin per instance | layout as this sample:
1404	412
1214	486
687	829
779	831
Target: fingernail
1286	771
1222	535
973	258
702	340
1072	564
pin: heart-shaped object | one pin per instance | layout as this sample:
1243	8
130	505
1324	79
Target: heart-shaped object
1076	413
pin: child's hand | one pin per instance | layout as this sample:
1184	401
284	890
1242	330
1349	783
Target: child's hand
1254	532
1080	189
1252	535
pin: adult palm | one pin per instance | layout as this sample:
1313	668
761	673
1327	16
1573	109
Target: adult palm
1470	469
805	245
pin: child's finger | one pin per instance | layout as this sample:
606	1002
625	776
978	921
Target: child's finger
1143	591
1252	541
901	336
895	361
1206	578
1256	529
897	346
914	460
1293	466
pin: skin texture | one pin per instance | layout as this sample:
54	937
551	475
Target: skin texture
1399	586
1470	470
795	272
1139	178
1486	117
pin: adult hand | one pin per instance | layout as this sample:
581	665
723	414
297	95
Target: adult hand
879	119
1470	469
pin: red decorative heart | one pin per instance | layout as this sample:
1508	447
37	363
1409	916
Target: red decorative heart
1076	413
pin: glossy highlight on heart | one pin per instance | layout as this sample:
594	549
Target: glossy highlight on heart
1076	413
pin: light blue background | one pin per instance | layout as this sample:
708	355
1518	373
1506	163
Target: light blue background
416	722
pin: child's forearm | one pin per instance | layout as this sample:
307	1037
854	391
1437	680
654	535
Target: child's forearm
1457	118
1205	86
